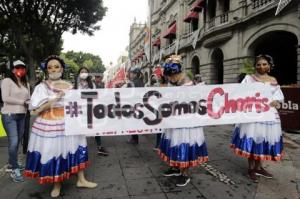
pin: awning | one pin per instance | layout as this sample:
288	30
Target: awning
198	5
156	42
171	32
191	16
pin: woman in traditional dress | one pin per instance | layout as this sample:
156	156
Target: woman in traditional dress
52	156
181	148
260	141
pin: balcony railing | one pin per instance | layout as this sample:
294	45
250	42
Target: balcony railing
256	4
224	18
211	23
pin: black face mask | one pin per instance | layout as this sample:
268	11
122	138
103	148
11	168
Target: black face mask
263	71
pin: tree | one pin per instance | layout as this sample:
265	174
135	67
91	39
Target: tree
92	62
32	29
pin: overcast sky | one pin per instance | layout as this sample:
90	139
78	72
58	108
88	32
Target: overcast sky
111	40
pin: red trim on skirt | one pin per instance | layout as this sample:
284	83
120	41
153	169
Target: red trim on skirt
60	178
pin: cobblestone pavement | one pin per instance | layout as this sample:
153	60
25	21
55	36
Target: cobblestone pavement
134	171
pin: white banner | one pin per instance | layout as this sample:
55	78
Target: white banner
121	111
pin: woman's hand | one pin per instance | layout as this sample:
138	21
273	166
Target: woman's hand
59	96
275	104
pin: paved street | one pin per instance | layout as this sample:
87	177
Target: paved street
135	172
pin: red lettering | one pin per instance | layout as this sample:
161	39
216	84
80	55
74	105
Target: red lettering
230	105
211	113
264	102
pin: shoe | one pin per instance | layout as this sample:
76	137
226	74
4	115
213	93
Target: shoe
102	151
183	181
8	168
262	172
16	175
252	175
131	141
155	149
172	172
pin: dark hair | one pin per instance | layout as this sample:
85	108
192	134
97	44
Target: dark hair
51	57
268	58
241	77
89	78
24	82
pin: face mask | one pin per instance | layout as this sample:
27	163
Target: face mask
20	72
262	71
83	75
55	76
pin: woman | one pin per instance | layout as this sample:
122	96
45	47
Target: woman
15	95
52	156
260	140
84	81
181	148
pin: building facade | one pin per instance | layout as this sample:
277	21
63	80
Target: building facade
136	50
219	39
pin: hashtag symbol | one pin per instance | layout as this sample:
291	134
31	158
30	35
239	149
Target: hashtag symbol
73	109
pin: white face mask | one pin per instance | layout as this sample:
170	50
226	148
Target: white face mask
55	76
83	75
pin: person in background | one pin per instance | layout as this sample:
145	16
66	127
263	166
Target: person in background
15	95
99	81
136	78
260	141
198	79
83	80
52	156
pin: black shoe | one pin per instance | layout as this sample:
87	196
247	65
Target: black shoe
131	141
172	172
102	151
183	181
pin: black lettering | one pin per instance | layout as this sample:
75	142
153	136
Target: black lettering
165	110
127	111
99	111
138	114
146	97
89	96
202	107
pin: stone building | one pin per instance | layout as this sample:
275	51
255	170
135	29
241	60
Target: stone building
227	35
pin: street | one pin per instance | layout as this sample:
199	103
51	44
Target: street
135	171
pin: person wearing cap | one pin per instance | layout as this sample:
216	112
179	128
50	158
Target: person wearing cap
52	156
15	94
181	148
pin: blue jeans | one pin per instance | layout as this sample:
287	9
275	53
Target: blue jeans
14	125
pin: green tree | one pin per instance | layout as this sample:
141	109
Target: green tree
92	62
32	30
248	67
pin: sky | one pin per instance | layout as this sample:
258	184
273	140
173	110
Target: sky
113	37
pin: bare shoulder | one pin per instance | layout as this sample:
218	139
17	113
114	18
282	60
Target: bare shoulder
273	79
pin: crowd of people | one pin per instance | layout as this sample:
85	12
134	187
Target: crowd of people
52	157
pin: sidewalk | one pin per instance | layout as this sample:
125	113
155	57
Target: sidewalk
134	171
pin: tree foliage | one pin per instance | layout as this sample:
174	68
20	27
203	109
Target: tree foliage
32	29
80	59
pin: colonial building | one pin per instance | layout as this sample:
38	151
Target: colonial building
227	35
137	54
